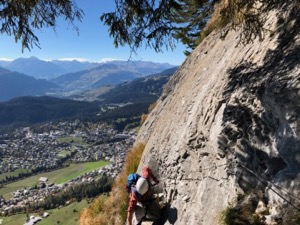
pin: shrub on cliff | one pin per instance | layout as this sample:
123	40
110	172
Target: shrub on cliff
243	213
112	209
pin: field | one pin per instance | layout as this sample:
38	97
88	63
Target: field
56	176
13	174
68	215
71	140
64	153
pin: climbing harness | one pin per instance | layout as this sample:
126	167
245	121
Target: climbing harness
145	206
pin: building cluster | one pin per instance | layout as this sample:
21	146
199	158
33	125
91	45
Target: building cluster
47	149
50	145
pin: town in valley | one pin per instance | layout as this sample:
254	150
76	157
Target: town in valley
31	151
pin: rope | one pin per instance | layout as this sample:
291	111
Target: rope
269	184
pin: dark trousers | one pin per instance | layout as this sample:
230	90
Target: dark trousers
147	211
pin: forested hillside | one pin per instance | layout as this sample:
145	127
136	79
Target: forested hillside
30	110
13	84
142	90
122	106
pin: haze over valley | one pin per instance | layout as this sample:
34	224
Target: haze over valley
35	77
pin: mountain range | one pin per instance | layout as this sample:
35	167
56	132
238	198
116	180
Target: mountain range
111	73
141	90
38	68
89	77
45	69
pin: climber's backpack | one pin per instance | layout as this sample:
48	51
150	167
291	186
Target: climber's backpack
131	180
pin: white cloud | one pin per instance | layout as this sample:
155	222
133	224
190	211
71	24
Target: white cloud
6	59
72	59
105	60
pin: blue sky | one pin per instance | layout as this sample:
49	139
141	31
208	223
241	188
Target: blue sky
93	42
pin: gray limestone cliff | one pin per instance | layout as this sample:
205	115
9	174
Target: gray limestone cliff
228	126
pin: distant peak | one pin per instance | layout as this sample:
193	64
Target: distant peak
33	58
29	58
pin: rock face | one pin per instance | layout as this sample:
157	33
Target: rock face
228	123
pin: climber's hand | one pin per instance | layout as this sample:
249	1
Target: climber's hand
154	184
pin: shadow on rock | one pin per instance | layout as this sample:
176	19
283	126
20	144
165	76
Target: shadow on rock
168	214
262	123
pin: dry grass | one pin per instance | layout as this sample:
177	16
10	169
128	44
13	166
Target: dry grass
216	21
150	108
235	14
112	209
143	118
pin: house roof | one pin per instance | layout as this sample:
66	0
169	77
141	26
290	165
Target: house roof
43	179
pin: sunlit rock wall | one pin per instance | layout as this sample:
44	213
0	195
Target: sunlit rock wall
228	124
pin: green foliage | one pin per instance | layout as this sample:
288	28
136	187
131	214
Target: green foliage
235	216
157	23
228	215
22	18
239	215
191	19
136	21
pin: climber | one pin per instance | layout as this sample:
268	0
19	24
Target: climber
142	201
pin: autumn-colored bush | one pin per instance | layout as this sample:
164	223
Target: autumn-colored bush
112	209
